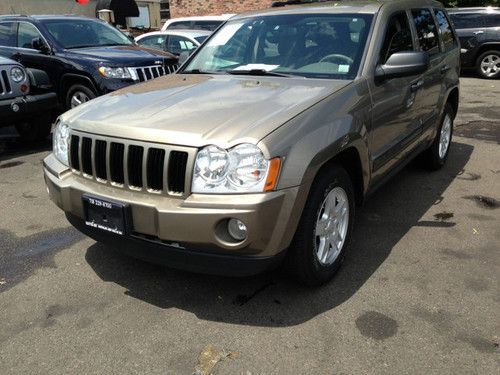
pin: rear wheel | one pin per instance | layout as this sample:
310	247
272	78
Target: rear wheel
77	95
324	232
35	129
488	64
436	155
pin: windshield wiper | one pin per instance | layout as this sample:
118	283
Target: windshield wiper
257	72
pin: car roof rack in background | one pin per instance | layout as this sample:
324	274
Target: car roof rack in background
276	4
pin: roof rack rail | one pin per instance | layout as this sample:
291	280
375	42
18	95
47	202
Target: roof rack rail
276	4
14	15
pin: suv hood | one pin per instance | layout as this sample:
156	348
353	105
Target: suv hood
196	110
120	55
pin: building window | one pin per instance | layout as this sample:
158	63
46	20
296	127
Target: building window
165	9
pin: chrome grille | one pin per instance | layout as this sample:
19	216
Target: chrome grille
5	87
145	73
139	166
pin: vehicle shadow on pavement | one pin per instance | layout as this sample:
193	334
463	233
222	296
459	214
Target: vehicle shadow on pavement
11	145
274	299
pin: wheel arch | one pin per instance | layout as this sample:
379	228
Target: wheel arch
70	79
454	98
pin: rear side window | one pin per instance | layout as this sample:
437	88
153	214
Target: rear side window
467	20
8	34
445	30
491	20
397	37
426	31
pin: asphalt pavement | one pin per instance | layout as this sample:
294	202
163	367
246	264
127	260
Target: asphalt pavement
418	294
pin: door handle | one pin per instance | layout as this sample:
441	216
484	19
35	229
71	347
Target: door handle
445	68
417	85
478	32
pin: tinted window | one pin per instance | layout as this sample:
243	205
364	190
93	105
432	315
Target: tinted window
309	45
397	37
25	35
445	30
78	33
206	25
426	30
180	25
179	44
201	39
492	20
467	20
156	41
7	34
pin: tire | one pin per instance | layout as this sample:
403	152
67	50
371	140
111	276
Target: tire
488	64
78	93
35	130
436	155
304	252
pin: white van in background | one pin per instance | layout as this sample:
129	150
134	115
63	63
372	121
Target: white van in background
196	23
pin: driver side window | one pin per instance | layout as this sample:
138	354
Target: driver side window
397	37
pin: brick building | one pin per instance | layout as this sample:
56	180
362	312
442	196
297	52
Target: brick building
183	8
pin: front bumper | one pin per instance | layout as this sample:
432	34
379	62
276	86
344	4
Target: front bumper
27	106
186	233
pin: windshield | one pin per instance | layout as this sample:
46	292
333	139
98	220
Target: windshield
75	33
309	45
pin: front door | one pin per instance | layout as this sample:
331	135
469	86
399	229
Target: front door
396	102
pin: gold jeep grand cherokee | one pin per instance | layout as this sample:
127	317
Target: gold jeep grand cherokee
265	141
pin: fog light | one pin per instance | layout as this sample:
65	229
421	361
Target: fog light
237	229
15	107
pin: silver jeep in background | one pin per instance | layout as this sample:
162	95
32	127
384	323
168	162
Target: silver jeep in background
26	100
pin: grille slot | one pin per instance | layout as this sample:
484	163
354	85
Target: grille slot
6	82
116	155
146	73
134	164
100	159
156	162
73	152
87	156
177	171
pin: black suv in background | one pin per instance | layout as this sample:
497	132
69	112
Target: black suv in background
84	57
479	32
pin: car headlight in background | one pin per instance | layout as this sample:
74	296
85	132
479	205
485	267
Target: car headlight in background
242	169
17	74
61	142
114	72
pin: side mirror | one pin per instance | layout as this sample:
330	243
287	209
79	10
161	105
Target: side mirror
183	57
40	45
403	64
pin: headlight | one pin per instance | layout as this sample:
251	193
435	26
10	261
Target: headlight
114	72
60	142
17	74
243	169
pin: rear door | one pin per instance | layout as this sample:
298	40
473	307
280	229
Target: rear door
428	41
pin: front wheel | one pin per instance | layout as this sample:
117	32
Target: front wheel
324	232
77	95
488	64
